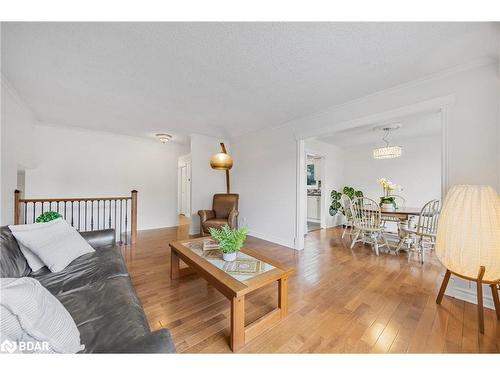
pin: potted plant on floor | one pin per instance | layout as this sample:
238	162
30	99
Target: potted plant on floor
230	241
335	207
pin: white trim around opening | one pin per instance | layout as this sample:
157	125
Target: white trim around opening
442	104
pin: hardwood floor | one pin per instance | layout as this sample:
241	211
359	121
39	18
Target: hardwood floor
340	301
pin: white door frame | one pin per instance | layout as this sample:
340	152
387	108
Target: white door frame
442	104
184	161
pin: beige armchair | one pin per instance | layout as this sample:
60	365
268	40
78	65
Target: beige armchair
224	211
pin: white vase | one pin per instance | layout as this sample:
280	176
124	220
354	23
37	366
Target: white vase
230	257
387	206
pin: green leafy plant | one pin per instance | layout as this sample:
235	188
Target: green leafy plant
335	206
230	240
388	200
48	216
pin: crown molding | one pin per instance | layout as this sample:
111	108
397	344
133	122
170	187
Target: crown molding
429	105
475	64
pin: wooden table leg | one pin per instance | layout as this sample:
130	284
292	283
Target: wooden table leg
443	286
237	339
480	308
496	300
283	296
174	264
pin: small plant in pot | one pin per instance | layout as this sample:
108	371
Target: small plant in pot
387	201
48	216
230	241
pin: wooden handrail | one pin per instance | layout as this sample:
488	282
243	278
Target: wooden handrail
32	200
133	209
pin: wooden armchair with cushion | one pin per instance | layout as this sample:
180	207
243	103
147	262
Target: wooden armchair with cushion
224	211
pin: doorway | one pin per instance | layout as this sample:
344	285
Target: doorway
440	106
184	185
314	191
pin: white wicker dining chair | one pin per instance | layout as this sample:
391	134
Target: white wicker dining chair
424	234
346	203
367	223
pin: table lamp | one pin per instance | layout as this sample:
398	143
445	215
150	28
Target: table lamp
468	240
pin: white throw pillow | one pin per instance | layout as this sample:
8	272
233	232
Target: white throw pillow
34	321
33	260
56	243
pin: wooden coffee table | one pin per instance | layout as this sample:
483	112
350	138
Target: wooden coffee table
235	280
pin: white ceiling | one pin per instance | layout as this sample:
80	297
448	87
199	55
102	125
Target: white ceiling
414	126
223	79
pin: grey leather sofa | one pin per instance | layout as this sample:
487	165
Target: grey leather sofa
96	290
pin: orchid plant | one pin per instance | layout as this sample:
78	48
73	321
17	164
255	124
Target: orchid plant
388	186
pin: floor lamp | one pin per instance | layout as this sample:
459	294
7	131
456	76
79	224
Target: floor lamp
468	241
222	161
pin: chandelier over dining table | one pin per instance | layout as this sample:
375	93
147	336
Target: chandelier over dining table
387	152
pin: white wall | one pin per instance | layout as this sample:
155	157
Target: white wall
82	163
265	176
334	167
205	181
17	146
418	170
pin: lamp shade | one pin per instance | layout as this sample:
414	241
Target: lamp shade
468	234
221	161
389	152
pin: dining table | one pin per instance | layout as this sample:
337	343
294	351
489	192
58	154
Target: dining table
401	213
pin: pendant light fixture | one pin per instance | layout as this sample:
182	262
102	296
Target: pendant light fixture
387	152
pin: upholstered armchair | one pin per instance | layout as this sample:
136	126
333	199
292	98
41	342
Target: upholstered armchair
224	211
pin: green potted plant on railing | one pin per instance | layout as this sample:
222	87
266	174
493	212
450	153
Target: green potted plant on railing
230	240
48	216
335	206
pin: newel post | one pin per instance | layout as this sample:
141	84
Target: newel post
17	196
133	221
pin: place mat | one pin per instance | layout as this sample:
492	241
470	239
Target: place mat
243	268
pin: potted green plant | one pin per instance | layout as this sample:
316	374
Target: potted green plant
48	216
335	206
230	241
387	202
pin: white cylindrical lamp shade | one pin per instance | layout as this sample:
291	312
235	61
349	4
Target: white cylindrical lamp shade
468	234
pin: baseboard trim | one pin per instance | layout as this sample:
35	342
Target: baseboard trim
276	240
469	295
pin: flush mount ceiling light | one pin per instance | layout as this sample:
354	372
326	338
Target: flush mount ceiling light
387	152
163	138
